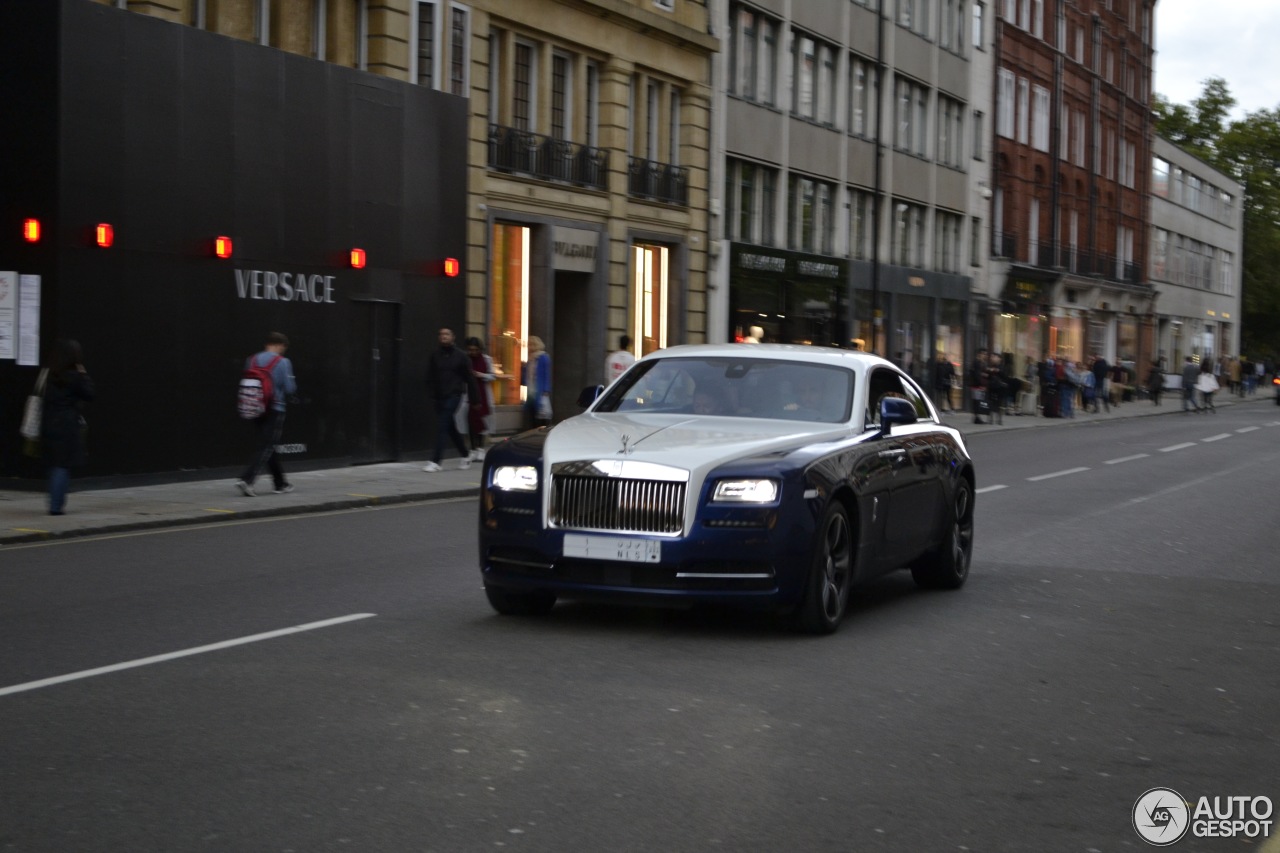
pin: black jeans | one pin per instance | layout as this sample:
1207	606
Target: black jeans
270	427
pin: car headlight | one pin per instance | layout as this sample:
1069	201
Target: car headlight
515	478
746	491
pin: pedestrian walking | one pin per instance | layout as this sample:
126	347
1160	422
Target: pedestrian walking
1190	374
618	361
450	384
1155	382
480	410
944	373
537	382
1101	394
62	424
270	424
1207	385
977	381
997	388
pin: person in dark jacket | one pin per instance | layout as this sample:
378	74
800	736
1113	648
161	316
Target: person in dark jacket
450	380
61	425
270	425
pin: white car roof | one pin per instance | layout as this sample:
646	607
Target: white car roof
782	352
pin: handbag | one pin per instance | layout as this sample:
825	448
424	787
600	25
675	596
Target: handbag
34	410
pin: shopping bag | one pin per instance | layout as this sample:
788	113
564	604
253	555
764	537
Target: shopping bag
34	410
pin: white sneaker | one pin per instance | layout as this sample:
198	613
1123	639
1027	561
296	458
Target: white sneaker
477	454
431	467
464	463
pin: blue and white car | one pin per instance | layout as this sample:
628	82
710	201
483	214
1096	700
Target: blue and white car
753	475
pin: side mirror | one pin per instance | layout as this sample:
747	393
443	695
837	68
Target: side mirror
895	411
589	395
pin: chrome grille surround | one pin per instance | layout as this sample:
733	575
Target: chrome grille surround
618	496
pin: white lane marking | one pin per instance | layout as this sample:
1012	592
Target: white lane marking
989	489
1055	474
212	647
1217	437
1126	459
1247	429
1177	446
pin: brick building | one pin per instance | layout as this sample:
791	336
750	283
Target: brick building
1071	178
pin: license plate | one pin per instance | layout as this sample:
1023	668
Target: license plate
612	548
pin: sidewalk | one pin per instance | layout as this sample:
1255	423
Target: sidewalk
24	515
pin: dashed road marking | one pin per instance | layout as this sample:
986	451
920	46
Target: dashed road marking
1055	474
986	489
212	647
1126	459
1177	446
1247	429
1217	437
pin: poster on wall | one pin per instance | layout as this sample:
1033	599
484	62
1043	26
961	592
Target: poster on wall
8	302
29	320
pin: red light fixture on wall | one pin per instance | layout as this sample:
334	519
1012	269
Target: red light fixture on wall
104	235
358	258
31	230
452	267
222	246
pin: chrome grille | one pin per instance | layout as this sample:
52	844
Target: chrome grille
612	503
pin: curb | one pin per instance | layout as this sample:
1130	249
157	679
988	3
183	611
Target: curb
33	537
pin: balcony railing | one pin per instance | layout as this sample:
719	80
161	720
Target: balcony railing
1077	261
521	152
658	182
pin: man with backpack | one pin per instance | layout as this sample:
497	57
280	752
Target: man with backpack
267	382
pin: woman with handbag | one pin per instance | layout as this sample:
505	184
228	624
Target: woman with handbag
62	427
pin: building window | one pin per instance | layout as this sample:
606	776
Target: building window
650	271
950	132
812	226
1040	119
1033	232
424	43
975	242
979	11
1024	109
1077	138
864	91
910	104
522	88
908	234
979	140
1160	254
815	84
1005	104
753	52
508	308
673	128
946	241
861	215
749	200
459	55
560	95
591	112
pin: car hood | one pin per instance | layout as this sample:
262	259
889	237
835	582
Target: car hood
691	443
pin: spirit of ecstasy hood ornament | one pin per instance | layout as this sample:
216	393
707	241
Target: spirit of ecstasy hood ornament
626	440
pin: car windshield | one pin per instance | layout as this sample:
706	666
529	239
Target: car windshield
734	387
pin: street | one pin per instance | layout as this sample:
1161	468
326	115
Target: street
1118	633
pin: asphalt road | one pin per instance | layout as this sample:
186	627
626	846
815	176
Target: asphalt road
1118	633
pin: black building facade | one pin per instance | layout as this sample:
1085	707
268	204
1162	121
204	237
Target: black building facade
174	136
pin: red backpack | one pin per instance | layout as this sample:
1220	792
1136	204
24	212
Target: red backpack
256	391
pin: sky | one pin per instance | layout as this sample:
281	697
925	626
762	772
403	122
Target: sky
1237	40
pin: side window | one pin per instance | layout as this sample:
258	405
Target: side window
887	383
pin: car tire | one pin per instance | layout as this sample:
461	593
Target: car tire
826	595
948	566
509	603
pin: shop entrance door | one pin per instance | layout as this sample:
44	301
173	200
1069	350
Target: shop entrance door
372	382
